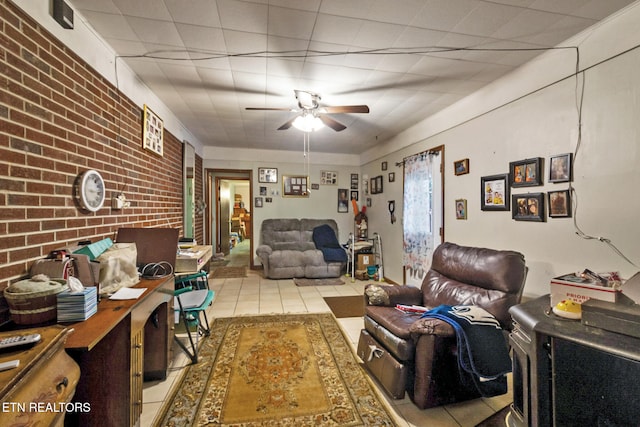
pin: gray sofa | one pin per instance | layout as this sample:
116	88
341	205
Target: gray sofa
287	249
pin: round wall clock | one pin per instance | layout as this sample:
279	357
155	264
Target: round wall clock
91	192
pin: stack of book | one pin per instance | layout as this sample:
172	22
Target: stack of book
77	306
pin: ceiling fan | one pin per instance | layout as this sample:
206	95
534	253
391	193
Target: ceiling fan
311	116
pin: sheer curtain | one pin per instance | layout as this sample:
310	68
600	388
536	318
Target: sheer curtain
418	221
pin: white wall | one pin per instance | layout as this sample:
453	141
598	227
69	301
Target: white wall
322	203
533	113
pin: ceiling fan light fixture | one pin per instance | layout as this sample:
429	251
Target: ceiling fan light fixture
308	123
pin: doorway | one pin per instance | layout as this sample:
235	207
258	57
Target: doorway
229	216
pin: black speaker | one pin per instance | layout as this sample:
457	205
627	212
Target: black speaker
63	14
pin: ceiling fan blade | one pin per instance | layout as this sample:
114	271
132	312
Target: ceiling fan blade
268	109
333	124
288	124
346	109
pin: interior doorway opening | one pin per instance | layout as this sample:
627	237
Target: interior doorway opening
230	216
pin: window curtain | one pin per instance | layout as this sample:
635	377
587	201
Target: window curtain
418	216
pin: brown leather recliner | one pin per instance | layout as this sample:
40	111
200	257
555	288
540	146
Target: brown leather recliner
405	352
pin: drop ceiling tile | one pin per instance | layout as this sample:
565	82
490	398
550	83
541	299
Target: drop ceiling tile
152	31
111	26
198	12
149	9
295	24
243	16
202	38
397	12
486	19
352	8
376	35
443	14
240	42
336	29
84	6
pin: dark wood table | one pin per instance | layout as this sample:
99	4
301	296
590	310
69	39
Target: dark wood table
124	343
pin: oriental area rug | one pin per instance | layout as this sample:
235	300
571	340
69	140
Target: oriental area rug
284	370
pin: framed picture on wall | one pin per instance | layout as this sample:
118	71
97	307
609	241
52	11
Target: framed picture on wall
528	207
328	177
268	175
526	173
354	181
294	186
152	132
343	200
461	209
560	169
559	204
494	192
461	167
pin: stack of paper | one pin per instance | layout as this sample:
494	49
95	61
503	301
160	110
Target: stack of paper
77	306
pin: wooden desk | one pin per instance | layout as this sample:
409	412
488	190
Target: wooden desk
198	258
124	343
37	391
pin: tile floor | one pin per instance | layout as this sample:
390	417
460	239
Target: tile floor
256	295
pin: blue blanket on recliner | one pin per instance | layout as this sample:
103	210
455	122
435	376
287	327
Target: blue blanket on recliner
326	241
483	353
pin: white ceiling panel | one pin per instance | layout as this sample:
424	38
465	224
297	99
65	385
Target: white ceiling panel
405	59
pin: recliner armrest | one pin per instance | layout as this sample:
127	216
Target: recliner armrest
431	326
390	295
264	251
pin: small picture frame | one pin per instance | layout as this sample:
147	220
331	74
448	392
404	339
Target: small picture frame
368	202
528	207
152	132
294	186
268	199
526	173
392	176
494	192
461	209
560	168
383	166
258	202
559	204
343	200
263	191
315	186
328	177
268	175
461	167
354	181
376	184
354	195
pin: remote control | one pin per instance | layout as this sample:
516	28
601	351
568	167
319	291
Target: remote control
17	340
9	365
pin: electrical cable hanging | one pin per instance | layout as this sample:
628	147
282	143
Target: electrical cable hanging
579	91
306	150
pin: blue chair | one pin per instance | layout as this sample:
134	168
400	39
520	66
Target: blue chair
190	305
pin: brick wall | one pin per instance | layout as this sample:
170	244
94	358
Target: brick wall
58	117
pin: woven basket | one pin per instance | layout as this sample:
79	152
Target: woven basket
34	300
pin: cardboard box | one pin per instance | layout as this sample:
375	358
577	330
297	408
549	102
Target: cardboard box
577	289
365	260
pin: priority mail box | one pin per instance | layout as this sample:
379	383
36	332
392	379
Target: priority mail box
578	289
